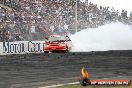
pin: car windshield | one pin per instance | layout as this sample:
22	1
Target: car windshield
57	38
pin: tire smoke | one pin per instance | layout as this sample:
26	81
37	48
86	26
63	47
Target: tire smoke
113	36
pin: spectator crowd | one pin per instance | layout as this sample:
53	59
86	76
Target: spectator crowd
36	19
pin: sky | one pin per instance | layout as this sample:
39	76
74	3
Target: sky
117	4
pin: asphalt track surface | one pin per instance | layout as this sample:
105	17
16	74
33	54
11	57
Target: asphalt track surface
36	70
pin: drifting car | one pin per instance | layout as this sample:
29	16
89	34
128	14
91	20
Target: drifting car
57	43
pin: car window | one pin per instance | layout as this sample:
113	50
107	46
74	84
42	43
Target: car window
57	38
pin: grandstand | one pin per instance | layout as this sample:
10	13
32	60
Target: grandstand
35	19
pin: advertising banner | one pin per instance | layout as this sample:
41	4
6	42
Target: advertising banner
21	47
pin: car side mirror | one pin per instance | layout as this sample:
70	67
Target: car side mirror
46	38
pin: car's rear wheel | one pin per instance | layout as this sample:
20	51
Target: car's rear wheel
59	51
46	51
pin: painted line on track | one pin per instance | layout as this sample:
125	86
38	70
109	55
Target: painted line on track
58	85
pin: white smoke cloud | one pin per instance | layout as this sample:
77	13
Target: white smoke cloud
113	36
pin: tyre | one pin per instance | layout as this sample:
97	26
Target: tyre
46	51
